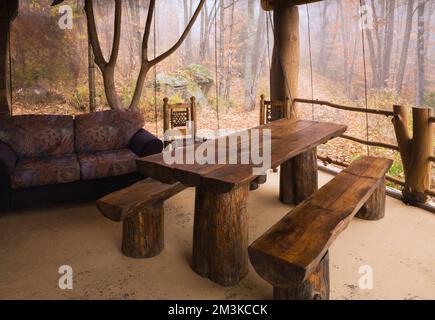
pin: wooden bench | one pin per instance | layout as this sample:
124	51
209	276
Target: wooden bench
293	254
140	208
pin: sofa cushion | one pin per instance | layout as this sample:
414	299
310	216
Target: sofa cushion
106	164
38	135
34	172
106	130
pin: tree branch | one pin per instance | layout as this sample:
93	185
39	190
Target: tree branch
183	36
117	33
146	34
93	35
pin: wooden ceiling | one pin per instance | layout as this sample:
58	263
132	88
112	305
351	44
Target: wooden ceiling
265	4
271	4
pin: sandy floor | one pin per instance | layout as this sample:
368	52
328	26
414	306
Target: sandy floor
400	249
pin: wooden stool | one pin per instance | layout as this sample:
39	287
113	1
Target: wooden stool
140	208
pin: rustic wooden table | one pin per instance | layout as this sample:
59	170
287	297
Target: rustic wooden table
220	235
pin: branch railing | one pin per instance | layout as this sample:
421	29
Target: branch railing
415	151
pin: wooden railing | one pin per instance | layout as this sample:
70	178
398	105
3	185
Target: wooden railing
415	151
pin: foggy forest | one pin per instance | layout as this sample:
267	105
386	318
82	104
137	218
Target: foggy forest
361	53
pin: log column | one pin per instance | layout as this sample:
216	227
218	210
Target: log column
220	235
298	178
8	11
284	73
415	151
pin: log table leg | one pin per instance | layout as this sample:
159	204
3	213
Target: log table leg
316	287
374	208
220	235
142	232
298	178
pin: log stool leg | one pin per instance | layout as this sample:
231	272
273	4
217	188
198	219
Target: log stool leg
298	178
316	287
220	235
374	208
142	232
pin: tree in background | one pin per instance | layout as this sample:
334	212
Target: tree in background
107	68
405	46
419	97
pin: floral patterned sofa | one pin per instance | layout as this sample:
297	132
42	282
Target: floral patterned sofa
48	159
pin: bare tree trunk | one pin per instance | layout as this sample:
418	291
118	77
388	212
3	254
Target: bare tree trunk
321	61
187	9
248	76
258	54
345	41
209	18
221	62
229	58
202	33
420	53
405	47
388	43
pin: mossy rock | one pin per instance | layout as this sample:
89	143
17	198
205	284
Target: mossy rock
199	73
175	82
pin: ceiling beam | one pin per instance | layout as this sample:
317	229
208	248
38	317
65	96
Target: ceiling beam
271	4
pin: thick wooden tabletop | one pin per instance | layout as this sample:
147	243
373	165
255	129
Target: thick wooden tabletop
289	138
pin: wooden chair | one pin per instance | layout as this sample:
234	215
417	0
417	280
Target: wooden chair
293	254
177	117
273	110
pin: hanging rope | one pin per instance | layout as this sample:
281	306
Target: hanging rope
155	69
10	72
216	64
365	73
267	41
311	61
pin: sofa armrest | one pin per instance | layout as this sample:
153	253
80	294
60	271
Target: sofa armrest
8	159
144	144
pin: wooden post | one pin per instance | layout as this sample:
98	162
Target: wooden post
284	73
165	114
220	235
315	287
143	232
298	178
415	151
8	12
193	115
262	110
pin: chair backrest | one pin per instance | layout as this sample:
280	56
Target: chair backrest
177	116
273	110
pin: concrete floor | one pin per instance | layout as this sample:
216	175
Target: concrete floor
33	244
